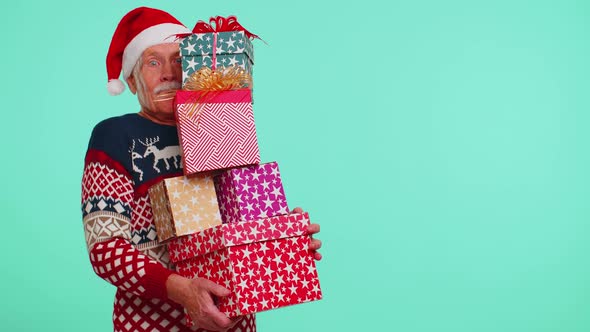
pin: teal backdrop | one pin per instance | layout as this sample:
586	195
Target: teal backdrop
442	146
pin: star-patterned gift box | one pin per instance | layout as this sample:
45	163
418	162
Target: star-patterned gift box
266	263
250	193
219	133
182	205
231	48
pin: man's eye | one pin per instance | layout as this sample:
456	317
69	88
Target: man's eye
153	63
179	60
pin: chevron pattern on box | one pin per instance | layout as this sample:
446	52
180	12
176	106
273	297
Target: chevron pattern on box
221	135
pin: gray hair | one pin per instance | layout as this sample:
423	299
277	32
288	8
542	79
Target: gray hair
139	83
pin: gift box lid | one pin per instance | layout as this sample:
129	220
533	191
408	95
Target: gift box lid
212	97
228	235
229	42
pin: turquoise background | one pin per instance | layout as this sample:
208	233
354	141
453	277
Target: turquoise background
441	145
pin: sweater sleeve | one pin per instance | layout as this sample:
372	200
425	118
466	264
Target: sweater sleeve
107	209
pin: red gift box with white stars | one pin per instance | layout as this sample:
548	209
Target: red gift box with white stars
265	263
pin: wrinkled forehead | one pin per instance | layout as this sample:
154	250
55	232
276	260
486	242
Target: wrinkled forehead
153	36
162	50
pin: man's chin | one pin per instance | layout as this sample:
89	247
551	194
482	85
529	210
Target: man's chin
166	110
161	109
159	115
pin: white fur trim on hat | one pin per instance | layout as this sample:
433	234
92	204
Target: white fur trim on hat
115	87
157	34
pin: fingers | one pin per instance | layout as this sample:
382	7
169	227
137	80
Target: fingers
221	320
202	308
313	229
213	316
315	244
215	320
297	210
214	288
317	256
235	320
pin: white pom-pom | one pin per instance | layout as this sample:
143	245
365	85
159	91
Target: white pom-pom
115	87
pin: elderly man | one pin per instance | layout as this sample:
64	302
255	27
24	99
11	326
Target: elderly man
118	222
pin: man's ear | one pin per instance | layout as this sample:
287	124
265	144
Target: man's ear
132	84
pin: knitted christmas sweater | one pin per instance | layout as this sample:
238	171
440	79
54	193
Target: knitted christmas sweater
126	155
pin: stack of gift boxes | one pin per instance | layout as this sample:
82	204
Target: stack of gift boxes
227	218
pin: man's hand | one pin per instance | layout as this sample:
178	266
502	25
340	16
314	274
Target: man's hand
196	296
315	244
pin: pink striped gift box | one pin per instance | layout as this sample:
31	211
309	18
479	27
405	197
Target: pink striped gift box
219	133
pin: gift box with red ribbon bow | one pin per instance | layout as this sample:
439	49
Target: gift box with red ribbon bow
221	43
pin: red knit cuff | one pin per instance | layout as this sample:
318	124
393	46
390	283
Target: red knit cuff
155	280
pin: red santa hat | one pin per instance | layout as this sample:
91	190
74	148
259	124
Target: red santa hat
141	28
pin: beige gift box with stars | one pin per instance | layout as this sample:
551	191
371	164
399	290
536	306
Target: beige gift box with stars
184	205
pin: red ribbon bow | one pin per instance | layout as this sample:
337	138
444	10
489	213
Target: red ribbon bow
222	24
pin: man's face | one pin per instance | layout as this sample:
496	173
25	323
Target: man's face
159	76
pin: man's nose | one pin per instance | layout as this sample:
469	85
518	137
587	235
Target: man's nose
170	72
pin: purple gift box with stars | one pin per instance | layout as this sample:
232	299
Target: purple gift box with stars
250	193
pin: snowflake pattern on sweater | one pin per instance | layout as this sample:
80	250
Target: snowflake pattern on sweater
127	155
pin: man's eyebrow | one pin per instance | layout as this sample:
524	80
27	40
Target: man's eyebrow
160	55
151	52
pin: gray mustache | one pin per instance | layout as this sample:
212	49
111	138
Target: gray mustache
167	86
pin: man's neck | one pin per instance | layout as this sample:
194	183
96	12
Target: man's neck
167	120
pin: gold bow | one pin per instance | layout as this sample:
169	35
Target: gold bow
221	79
212	82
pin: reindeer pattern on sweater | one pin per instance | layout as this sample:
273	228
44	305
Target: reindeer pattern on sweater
127	155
